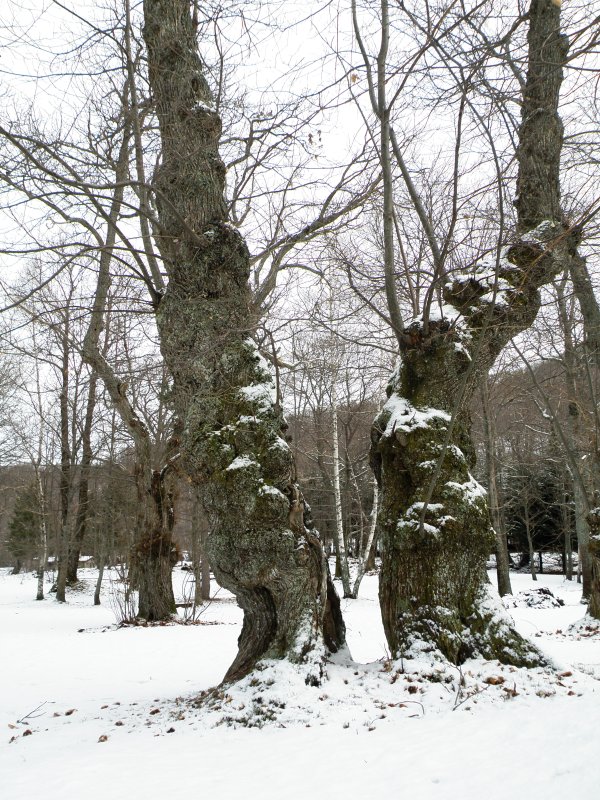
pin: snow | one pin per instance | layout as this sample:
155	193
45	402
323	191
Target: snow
403	416
241	462
367	731
272	490
259	393
437	313
472	490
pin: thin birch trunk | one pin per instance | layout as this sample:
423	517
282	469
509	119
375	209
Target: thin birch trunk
66	467
339	521
365	550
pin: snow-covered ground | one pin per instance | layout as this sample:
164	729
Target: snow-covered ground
91	711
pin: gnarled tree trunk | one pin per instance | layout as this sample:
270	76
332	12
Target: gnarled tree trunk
233	442
434	521
153	553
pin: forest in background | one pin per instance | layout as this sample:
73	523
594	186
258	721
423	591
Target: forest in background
374	178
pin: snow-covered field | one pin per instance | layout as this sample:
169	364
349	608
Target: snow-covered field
91	711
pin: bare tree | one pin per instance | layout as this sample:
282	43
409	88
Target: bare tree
232	440
435	522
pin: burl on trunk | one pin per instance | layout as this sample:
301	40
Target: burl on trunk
233	443
434	520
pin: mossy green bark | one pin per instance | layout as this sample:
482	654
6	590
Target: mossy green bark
433	585
434	521
233	432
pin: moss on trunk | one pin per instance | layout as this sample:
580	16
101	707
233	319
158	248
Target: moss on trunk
233	439
433	590
154	552
434	521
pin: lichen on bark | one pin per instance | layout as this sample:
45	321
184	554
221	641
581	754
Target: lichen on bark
233	446
434	522
433	589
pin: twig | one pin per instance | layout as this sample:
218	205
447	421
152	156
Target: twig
31	713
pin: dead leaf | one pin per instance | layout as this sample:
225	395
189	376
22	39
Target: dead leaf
494	680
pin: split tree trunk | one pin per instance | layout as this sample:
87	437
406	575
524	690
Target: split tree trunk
434	524
233	444
153	553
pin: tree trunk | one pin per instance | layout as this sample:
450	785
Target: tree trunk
434	524
233	444
42	534
84	479
98	587
340	542
154	553
567	548
594	523
436	533
574	438
200	561
366	547
66	469
528	534
502	559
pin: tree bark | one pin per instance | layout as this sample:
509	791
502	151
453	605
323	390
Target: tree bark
154	553
502	559
42	533
233	447
574	436
340	541
66	468
435	525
